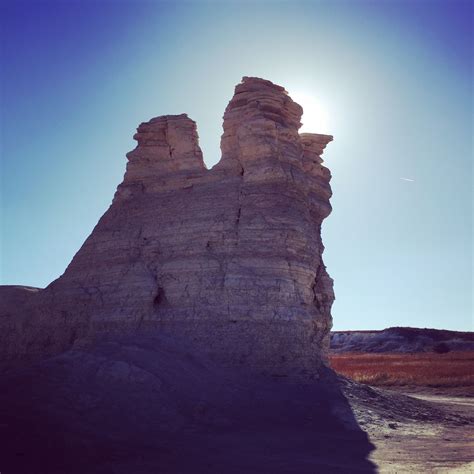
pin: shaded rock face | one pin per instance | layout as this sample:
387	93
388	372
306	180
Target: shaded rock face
229	258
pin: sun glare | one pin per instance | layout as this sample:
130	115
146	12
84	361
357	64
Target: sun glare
315	118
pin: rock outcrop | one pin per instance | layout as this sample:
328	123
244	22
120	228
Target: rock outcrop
229	258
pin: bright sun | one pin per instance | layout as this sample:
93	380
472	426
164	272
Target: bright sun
315	118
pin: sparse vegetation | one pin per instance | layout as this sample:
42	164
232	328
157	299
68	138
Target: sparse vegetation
428	369
441	348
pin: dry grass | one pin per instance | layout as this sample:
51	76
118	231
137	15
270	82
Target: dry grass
427	369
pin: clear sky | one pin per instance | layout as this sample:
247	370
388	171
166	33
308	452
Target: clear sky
391	80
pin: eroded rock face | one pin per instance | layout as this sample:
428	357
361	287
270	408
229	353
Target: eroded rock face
230	258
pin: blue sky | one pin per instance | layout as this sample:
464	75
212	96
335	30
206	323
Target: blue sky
393	80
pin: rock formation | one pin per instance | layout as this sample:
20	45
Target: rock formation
229	258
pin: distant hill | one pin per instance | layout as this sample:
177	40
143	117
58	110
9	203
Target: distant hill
401	339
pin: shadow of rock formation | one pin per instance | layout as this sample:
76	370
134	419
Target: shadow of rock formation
144	404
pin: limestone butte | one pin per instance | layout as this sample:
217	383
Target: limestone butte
229	258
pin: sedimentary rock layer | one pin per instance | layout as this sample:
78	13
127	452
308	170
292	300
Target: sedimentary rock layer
230	258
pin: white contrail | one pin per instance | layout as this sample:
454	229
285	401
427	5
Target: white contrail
407	179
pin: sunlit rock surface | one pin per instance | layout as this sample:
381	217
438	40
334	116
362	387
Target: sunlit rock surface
228	258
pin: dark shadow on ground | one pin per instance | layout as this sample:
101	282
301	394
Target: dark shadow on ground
145	405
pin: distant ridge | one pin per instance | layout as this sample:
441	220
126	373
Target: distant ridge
401	339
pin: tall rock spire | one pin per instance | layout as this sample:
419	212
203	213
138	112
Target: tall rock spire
229	258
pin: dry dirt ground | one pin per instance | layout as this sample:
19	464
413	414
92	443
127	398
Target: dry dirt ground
415	432
145	404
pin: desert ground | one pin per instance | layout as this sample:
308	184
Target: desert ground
434	437
144	404
414	429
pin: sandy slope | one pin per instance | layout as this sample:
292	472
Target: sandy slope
147	405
